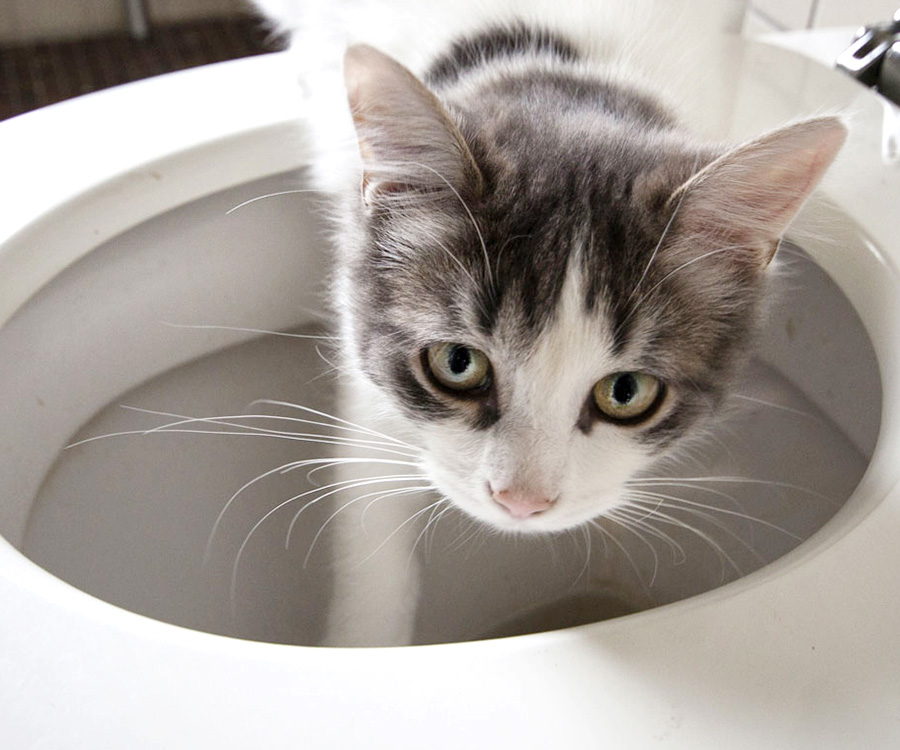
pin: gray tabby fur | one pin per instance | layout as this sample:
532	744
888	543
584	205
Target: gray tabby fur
572	170
525	201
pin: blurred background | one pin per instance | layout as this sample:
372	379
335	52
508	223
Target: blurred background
55	49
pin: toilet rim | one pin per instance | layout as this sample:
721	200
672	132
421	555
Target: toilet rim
50	185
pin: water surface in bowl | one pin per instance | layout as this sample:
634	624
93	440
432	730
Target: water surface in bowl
128	518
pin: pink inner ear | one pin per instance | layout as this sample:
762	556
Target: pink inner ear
752	193
406	137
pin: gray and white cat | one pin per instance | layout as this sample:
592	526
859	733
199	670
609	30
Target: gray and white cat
545	284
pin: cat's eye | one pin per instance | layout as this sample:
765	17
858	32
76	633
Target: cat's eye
458	367
627	396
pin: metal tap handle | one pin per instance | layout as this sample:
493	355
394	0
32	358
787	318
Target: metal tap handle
863	58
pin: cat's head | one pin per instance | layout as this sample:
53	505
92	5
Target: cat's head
556	301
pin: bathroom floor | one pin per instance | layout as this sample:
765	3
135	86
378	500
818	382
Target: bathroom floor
37	74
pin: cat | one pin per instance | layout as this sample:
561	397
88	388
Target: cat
545	283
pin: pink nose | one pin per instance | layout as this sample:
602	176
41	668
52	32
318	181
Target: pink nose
521	504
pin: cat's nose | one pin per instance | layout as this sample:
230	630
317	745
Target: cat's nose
520	504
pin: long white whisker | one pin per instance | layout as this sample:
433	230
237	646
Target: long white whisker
240	552
296	437
700	481
269	514
586	534
284	469
245	486
681	524
667	501
390	446
432	521
317	337
612	537
431	507
227	420
659	244
332	462
377	495
615	515
487	262
779	407
268	195
338	420
396	531
637	305
335	487
642	516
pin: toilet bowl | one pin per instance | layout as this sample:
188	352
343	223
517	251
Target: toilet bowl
133	616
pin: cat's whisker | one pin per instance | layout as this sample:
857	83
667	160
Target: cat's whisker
702	394
506	242
243	431
450	254
431	525
709	518
668	519
240	552
585	567
637	305
231	500
400	528
635	490
335	369
659	501
237	329
377	495
268	195
473	537
779	407
659	243
284	469
487	260
700	481
343	485
707	486
629	524
464	536
337	420
230	419
682	503
686	264
330	463
642	516
607	534
412	552
423	534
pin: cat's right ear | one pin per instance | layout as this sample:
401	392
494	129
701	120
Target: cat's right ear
748	196
407	139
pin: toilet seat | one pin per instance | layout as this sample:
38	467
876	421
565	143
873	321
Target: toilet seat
803	653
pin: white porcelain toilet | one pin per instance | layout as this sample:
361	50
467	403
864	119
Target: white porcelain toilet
121	264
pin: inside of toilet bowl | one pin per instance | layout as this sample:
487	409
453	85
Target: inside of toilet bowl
140	332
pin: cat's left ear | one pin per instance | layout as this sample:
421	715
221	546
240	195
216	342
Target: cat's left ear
750	195
407	139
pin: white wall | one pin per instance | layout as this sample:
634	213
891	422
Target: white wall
28	20
24	20
780	15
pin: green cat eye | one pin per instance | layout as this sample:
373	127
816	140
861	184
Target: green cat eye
458	367
624	396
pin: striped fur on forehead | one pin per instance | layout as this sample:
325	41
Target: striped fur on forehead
524	180
491	274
